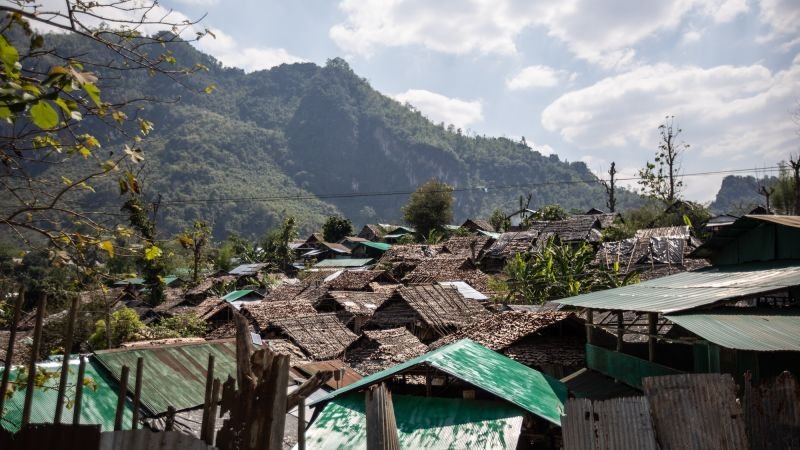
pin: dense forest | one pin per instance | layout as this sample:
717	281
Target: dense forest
323	134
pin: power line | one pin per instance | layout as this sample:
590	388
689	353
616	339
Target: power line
464	189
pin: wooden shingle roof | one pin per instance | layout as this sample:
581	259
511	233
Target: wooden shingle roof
377	350
359	280
441	307
265	313
502	330
466	246
320	336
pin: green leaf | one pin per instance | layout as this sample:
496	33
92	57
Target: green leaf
152	253
43	115
10	57
94	93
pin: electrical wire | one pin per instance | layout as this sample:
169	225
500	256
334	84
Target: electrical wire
179	201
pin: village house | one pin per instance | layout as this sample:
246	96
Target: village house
506	246
353	308
740	314
377	350
428	311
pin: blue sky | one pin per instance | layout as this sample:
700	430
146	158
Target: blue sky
589	80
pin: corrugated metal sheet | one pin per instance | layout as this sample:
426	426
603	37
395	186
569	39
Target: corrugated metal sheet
619	424
173	374
430	423
772	413
745	329
376	245
147	440
466	360
236	295
697	411
343	262
689	290
465	290
97	407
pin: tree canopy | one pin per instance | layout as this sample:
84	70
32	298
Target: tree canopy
430	207
336	228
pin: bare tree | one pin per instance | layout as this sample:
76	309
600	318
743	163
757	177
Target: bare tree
794	162
611	187
660	179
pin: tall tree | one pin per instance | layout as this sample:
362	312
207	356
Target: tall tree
336	228
611	188
660	179
794	162
499	220
430	207
276	245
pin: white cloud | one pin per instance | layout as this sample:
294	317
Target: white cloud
198	2
690	37
733	116
440	108
602	32
536	77
231	53
782	16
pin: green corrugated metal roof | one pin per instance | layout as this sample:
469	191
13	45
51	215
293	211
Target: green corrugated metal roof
376	245
97	407
689	290
471	362
173	374
745	328
344	262
491	234
422	422
236	295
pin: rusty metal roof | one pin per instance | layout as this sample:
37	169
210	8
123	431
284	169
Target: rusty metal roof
346	377
746	328
688	290
173	375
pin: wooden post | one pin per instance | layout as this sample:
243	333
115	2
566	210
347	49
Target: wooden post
207	399
169	421
620	331
37	340
137	392
212	418
652	320
76	413
275	401
12	337
589	325
301	424
62	380
381	425
428	382
123	392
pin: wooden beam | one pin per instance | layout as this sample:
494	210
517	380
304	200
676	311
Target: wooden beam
121	395
76	413
312	384
12	338
62	379
652	321
212	418
381	424
137	392
301	423
37	341
589	328
620	331
207	399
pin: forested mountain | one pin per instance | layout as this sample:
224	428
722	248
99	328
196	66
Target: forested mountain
302	130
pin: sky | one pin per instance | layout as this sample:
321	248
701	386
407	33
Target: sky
589	80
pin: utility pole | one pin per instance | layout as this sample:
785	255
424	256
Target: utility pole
795	163
611	187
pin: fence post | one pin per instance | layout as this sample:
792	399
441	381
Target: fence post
62	380
301	423
37	340
123	393
137	392
12	337
204	434
76	414
381	425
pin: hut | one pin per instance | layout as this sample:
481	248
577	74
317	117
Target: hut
376	350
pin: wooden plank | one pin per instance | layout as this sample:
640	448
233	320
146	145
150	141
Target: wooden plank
137	392
121	395
76	413
216	391
381	424
37	340
12	337
301	423
62	379
204	434
652	321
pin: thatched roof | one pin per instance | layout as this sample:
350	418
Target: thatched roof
448	269
359	280
509	244
380	349
502	330
265	313
410	253
466	246
479	224
203	288
571	229
285	292
441	308
320	336
285	347
358	303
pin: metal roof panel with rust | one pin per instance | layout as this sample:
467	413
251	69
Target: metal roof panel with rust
173	375
689	290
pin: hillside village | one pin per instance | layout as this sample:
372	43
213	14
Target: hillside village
432	324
